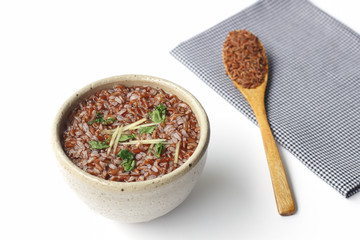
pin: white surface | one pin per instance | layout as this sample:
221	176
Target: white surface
49	49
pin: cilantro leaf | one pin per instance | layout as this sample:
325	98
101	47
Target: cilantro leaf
125	137
100	119
148	129
159	147
109	121
98	144
159	114
128	161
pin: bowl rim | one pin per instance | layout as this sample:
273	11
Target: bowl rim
129	80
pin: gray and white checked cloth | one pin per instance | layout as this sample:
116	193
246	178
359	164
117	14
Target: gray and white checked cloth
313	93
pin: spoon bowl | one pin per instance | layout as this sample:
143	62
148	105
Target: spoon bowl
250	55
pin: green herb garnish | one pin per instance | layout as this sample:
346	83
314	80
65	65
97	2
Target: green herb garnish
98	144
100	119
148	129
128	161
159	147
125	137
159	114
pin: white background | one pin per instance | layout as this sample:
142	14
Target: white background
50	49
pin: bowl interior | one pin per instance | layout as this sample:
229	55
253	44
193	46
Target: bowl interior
131	80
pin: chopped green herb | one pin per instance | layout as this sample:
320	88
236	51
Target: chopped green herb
98	144
128	161
159	147
159	114
149	129
125	137
100	119
109	121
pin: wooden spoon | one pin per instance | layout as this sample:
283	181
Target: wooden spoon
255	97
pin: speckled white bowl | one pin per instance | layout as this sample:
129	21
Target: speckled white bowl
138	201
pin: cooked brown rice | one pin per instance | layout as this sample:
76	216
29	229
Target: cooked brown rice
119	107
245	58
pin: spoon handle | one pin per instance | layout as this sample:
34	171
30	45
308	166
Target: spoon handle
284	200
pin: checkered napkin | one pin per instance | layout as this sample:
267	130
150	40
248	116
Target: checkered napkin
313	93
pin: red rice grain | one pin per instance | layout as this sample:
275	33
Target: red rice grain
245	58
128	105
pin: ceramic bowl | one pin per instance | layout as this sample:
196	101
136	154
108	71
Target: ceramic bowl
133	201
